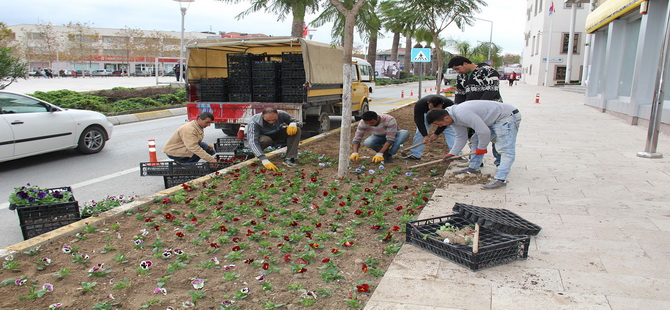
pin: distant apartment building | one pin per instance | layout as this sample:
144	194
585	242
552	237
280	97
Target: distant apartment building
547	41
86	48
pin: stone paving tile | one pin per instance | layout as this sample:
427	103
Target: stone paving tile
511	298
638	266
603	247
617	285
431	292
575	261
626	303
511	275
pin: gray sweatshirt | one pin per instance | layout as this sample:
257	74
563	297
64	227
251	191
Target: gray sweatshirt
478	115
257	127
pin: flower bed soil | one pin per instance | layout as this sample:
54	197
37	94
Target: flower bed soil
298	238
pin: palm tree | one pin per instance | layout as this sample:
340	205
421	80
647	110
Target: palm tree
282	8
396	20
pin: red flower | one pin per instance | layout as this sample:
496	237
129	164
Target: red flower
317	225
157	227
375	226
398	208
371	212
236	248
325	260
180	234
364	288
287	258
223	228
169	216
387	237
358	212
148	220
259	203
194	220
308	235
314	245
325	193
367	190
364	267
314	179
347	243
236	239
302	261
295	200
294	223
302	270
342	203
424	198
263	170
249	261
334	251
266	266
189	199
235	219
250	232
395	228
213	244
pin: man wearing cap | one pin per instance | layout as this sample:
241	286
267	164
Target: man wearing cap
489	120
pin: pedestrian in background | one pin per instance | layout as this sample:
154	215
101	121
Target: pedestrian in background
511	78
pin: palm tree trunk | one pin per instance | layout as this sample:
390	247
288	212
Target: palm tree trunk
372	49
298	21
394	46
408	51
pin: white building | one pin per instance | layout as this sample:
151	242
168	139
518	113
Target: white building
547	36
625	60
62	47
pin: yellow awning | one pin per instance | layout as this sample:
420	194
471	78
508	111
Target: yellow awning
609	11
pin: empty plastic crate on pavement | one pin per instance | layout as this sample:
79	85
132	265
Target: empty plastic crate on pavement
36	220
228	145
172	168
499	242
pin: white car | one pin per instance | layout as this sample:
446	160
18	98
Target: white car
30	126
101	72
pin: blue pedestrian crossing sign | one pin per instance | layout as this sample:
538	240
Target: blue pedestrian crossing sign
420	55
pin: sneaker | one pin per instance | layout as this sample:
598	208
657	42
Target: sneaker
411	157
290	162
388	158
468	171
495	184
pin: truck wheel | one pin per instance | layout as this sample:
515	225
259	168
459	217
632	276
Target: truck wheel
318	124
324	123
230	129
364	108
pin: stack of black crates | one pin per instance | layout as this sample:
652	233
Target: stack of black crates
266	81
239	76
214	89
293	77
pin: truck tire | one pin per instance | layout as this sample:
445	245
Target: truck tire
230	129
364	108
318	124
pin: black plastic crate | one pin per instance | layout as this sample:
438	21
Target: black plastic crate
228	145
292	99
293	74
36	220
502	220
172	168
495	248
174	180
237	97
266	98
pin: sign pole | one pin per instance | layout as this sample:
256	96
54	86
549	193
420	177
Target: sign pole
420	74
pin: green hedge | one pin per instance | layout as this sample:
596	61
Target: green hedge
115	101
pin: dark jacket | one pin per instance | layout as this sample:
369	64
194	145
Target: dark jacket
420	110
258	126
480	84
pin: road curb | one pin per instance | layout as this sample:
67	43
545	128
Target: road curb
144	116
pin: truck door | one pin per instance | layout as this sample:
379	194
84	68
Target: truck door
358	89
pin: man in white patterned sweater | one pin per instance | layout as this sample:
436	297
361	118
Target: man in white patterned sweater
385	137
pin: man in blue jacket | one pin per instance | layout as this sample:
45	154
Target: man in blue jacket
490	120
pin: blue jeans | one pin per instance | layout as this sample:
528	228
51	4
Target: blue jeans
449	137
195	158
505	132
377	142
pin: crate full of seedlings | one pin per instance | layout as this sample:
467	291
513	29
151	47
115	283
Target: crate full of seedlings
59	208
474	237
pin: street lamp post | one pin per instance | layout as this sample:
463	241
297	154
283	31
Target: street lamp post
181	42
488	57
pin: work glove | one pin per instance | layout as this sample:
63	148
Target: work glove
480	151
353	157
379	157
448	158
269	165
292	129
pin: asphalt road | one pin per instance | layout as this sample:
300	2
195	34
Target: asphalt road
115	170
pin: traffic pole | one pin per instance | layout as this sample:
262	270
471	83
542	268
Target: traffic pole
402	94
411	93
240	132
537	98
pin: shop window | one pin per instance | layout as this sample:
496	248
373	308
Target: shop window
559	73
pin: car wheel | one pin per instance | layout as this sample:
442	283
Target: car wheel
92	140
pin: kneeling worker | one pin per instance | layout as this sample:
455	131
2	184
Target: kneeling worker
489	119
185	146
272	126
386	137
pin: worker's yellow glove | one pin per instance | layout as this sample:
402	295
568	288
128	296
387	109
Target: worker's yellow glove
379	157
269	165
292	129
353	157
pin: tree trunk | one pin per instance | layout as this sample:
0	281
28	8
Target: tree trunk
394	46
298	21
372	49
440	61
348	45
408	51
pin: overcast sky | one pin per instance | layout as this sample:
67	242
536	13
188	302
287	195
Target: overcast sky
508	18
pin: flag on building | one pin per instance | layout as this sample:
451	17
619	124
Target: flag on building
551	8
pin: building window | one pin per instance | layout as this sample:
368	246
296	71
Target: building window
569	5
559	73
539	6
536	8
575	44
530	70
532	47
530	9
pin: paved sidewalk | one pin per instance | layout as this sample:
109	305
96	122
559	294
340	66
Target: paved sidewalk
605	215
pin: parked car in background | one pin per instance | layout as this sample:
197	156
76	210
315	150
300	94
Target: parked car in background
30	126
83	72
101	72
